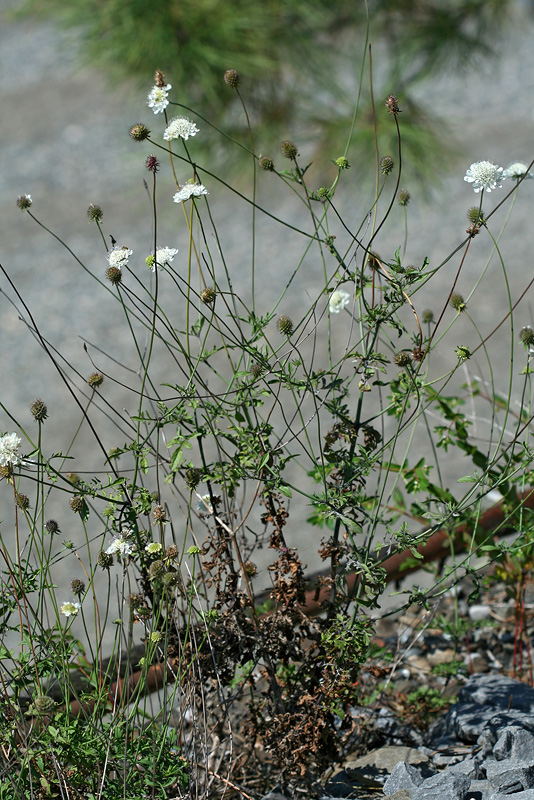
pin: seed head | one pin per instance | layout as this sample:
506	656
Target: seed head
428	316
24	201
402	359
94	213
386	165
157	569
23	501
39	410
250	569
255	370
458	302
371	438
342	162
76	504
152	164
208	296
114	275
526	336
52	527
285	325
159	514
475	215
105	560
232	78
172	552
95	379
78	587
392	104
404	197
43	705
192	477
288	149
266	163
418	354
73	478
139	132
170	579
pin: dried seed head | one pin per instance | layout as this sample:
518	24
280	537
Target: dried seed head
526	336
159	79
44	705
208	296
139	132
256	370
170	579
428	316
157	569
418	354
23	501
94	213
288	149
404	197
105	560
159	514
95	379
402	359
134	600
73	478
458	302
152	164
386	165
392	104
285	325
77	586
250	569
114	275
52	527
266	163
24	201
192	477
39	410
76	504
232	78
172	552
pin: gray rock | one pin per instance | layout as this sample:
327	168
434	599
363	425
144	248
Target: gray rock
443	785
510	776
497	692
468	766
402	794
374	768
527	795
467	721
403	776
515	743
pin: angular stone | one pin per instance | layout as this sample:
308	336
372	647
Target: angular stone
403	776
374	768
467	721
515	743
527	795
497	692
509	776
443	785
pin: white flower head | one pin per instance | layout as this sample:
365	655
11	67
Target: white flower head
517	170
190	189
70	609
338	300
9	449
154	547
163	258
118	257
157	98
180	128
121	546
484	175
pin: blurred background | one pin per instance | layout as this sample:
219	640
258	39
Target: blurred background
74	77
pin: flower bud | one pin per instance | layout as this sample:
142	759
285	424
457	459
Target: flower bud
23	501
94	213
152	164
105	560
428	316
52	527
392	104
386	165
266	163
77	586
342	162
526	336
208	296
157	569
44	705
76	504
402	359
95	379
159	79
285	325
24	201
463	353
114	275
192	477
475	215
288	149
404	197
458	302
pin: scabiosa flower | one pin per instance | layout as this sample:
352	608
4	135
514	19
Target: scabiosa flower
458	302
231	78
24	201
52	527
70	609
386	165
342	162
180	128
94	213
9	447
484	175
118	256
404	197
517	170
139	132
95	380
157	98
153	547
189	189
526	336
121	546
338	300
163	258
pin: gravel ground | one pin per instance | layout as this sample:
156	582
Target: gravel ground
64	141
